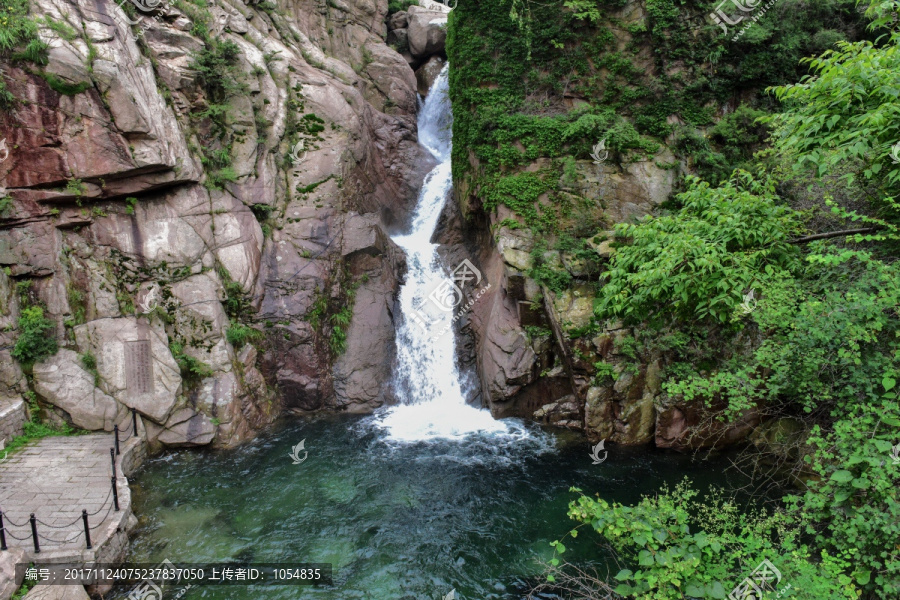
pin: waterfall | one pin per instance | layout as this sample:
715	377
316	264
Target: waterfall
426	377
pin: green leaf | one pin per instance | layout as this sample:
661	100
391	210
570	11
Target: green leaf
624	575
888	383
842	476
694	591
716	590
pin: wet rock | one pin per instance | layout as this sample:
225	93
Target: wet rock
428	73
141	217
783	437
682	426
565	412
361	372
187	428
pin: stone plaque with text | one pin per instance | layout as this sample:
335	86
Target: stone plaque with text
139	367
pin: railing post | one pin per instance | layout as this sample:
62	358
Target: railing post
87	530
112	457
115	494
37	545
2	533
116	433
134	420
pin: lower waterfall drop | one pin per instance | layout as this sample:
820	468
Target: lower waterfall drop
426	377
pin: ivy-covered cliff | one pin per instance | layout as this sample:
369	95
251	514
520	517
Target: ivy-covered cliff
689	259
571	117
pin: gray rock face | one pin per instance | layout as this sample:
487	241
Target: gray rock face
360	371
127	236
64	383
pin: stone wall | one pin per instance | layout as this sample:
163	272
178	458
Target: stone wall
12	419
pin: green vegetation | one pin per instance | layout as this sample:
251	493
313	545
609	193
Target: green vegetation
89	362
35	429
192	369
400	5
63	87
769	281
26	587
238	335
217	72
36	339
215	69
676	546
19	41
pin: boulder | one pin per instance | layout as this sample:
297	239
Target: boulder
134	363
427	32
398	20
398	39
62	381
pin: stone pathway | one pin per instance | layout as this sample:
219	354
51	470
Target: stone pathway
56	478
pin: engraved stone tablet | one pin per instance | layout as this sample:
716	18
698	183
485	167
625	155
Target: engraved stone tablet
139	367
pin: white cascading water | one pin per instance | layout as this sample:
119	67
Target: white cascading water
427	379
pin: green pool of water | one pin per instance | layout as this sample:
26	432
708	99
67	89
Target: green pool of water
403	522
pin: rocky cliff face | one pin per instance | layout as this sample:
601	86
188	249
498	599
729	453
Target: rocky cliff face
199	204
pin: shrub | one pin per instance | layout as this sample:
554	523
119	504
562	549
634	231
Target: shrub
36	340
698	263
238	335
192	369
